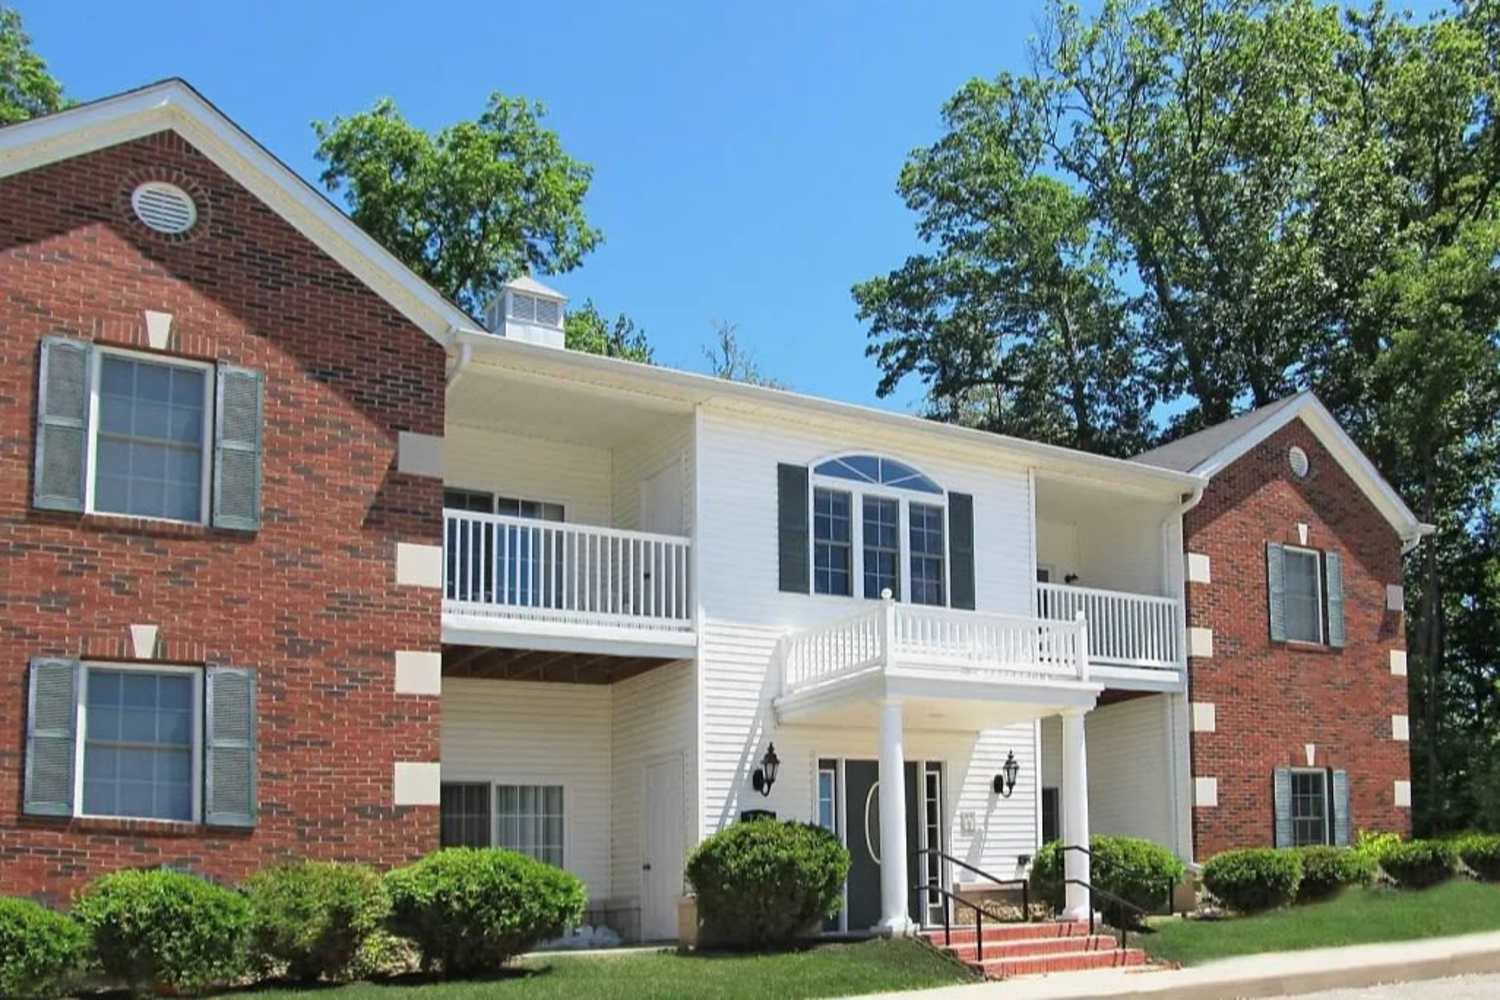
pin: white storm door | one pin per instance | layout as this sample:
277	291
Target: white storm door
661	868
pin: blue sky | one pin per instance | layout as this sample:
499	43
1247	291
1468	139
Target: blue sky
745	154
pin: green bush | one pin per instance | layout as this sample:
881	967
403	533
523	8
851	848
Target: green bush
765	883
468	910
1373	844
1139	871
1326	870
1254	879
38	948
312	917
1417	864
164	930
1481	852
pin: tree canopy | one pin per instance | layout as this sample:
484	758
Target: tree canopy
1187	208
468	209
27	89
586	329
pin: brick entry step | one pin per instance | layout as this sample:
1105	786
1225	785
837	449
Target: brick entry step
1033	949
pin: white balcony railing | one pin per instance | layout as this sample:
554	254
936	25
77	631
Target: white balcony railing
976	645
503	567
1125	630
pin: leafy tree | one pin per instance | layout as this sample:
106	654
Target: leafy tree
729	359
1232	200
586	329
26	88
470	208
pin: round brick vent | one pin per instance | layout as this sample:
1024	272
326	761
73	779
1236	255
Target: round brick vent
164	207
1297	459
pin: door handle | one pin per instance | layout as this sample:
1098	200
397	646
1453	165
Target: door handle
646	867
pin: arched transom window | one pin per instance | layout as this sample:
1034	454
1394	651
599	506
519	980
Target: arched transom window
878	525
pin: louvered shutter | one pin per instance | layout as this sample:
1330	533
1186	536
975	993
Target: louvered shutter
237	448
1333	579
51	736
229	766
961	549
1339	782
792	528
1276	592
62	423
1281	796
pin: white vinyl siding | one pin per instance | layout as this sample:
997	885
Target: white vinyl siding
531	733
509	465
670	443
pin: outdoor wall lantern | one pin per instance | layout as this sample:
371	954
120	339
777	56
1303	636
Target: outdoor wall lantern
1005	782
765	775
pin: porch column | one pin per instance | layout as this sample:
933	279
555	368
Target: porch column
894	886
1075	813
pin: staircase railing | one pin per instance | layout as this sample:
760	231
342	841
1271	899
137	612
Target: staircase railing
1124	904
1095	859
949	898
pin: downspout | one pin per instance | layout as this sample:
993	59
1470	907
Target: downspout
465	352
1176	712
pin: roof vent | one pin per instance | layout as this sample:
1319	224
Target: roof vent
527	310
164	207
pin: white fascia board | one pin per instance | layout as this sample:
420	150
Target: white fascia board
1341	446
698	389
174	105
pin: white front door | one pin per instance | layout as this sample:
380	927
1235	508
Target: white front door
661	501
661	854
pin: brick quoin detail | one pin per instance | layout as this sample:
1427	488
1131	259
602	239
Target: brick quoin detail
309	601
1274	698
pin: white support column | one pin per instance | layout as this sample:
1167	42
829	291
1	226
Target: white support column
894	886
1075	813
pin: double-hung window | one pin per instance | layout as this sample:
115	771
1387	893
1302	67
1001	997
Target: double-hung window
882	546
927	554
524	818
1309	807
142	731
151	444
1303	595
832	542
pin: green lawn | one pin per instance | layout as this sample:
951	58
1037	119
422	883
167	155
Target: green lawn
1359	916
824	971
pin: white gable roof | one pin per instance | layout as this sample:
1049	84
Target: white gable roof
530	286
173	104
1212	449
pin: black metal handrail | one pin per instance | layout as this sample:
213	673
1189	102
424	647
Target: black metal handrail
1123	903
947	922
1025	884
1095	859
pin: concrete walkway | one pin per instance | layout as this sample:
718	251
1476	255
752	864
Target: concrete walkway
1270	975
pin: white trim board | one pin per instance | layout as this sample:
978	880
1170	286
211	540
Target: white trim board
174	105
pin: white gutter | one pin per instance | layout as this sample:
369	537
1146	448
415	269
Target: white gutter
465	354
1414	539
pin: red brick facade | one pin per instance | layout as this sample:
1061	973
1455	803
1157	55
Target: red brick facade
1272	699
309	601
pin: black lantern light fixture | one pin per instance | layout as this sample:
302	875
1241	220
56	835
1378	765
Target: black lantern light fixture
1005	782
765	775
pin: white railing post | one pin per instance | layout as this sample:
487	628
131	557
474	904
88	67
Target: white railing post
887	629
1081	645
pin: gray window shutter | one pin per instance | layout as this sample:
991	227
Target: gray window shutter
1333	580
1281	788
237	448
1339	796
229	771
1276	592
792	528
51	736
62	423
961	549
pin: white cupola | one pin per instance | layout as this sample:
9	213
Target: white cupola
527	310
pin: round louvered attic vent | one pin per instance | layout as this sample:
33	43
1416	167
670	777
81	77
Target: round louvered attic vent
1297	459
164	207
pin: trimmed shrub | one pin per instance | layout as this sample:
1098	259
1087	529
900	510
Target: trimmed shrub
165	930
1139	871
1254	879
1417	864
764	883
1326	870
38	948
1481	852
469	910
312	917
1373	844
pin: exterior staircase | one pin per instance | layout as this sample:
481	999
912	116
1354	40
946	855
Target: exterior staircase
1034	949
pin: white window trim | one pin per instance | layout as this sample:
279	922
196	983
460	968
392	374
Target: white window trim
494	784
1322	610
91	462
497	495
1323	776
80	728
857	491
